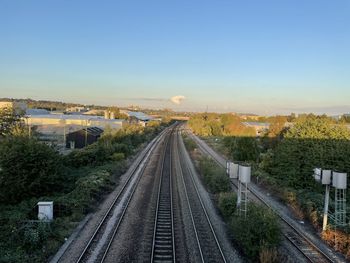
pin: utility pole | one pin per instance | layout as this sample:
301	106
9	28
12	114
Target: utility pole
29	128
86	134
86	131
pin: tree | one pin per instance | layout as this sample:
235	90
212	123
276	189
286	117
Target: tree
314	141
28	169
277	125
242	148
10	122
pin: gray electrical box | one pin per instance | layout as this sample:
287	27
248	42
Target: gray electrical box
45	211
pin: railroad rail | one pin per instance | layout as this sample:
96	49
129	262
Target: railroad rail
299	240
122	201
163	245
203	228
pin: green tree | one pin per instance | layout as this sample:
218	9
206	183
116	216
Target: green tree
28	169
242	148
10	122
313	141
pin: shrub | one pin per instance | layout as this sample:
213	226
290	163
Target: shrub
28	169
227	203
257	231
214	176
118	156
189	143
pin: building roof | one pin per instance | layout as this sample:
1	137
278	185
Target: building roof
36	112
139	115
95	131
253	123
74	117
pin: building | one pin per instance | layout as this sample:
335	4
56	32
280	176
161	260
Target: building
36	112
19	107
251	117
81	138
260	127
76	109
54	127
138	117
73	120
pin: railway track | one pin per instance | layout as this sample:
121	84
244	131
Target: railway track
300	241
209	247
163	245
99	244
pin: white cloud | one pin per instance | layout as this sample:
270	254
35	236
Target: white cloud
177	99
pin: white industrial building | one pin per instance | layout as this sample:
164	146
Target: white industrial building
54	127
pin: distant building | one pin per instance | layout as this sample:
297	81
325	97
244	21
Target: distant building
76	109
260	127
80	120
249	117
19	107
36	112
138	117
94	112
81	138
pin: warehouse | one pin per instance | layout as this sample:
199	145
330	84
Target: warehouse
81	138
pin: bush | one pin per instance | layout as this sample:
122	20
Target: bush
29	168
87	190
256	232
214	176
227	203
189	143
118	156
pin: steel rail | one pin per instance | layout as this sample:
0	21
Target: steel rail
157	249
142	158
191	214
201	201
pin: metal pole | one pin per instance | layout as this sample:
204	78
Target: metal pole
86	133
30	130
326	203
64	134
239	194
227	168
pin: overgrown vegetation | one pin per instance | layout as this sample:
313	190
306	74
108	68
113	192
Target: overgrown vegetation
214	176
284	156
257	234
212	124
32	171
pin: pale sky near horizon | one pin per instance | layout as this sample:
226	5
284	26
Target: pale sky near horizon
264	57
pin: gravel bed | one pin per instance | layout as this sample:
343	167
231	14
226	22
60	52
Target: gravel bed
189	235
183	253
219	226
131	244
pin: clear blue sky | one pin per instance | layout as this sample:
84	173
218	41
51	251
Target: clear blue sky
249	56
